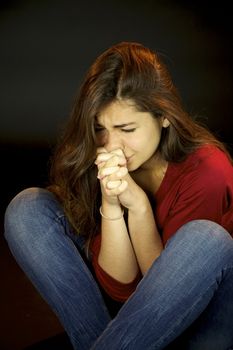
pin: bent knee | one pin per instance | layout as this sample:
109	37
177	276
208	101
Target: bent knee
21	209
23	203
203	244
205	229
205	234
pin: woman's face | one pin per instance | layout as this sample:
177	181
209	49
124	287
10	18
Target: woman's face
121	125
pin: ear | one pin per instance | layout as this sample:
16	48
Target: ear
165	122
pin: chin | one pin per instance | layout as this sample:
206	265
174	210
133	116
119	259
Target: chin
133	164
132	167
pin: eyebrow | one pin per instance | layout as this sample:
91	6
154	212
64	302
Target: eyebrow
118	126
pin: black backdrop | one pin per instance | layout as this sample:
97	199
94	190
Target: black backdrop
47	46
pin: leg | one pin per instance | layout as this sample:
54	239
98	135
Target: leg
213	329
39	238
195	270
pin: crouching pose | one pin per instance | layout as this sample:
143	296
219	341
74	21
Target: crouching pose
131	243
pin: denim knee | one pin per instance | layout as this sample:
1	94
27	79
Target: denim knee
205	236
24	210
205	230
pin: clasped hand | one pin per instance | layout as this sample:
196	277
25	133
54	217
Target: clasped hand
117	186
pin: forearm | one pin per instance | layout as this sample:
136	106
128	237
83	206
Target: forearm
145	238
116	256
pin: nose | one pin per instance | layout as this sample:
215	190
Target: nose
113	141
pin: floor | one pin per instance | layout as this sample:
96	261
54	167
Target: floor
26	319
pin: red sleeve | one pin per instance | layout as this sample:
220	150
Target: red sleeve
204	191
115	289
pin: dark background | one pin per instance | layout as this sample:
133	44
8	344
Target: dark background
46	48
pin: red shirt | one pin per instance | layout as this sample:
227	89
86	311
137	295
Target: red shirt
200	187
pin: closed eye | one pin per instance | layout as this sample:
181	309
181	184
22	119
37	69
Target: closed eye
128	130
98	128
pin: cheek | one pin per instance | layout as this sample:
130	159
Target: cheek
146	142
151	142
139	144
134	144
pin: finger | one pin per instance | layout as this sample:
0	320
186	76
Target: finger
118	175
105	156
102	157
122	160
106	171
122	172
116	160
116	190
113	180
123	186
113	184
101	150
113	161
120	153
109	160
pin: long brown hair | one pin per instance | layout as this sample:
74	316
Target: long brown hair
127	70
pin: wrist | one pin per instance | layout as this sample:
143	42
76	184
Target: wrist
140	206
110	218
111	211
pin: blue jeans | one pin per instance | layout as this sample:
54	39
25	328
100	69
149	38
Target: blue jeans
185	300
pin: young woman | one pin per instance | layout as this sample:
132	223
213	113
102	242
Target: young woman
140	209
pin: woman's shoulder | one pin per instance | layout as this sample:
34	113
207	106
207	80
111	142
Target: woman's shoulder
209	166
208	155
204	164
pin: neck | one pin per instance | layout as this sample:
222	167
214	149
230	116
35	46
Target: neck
150	176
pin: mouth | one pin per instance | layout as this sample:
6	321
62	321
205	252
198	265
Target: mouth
128	159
